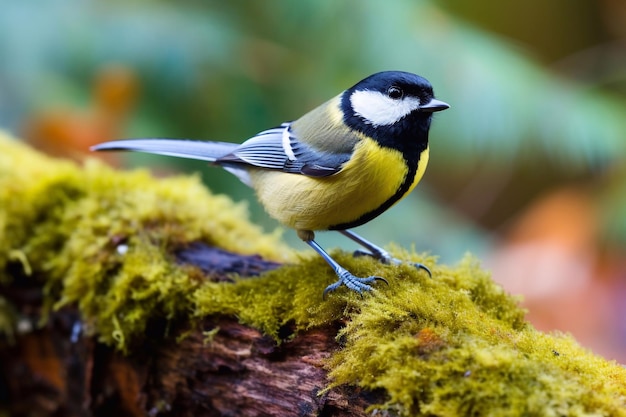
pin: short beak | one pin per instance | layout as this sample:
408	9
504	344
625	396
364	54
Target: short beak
434	105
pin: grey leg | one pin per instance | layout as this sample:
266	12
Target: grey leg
378	252
345	277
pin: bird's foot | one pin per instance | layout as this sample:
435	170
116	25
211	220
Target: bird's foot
384	257
352	282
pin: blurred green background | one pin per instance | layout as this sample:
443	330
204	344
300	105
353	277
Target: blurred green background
526	170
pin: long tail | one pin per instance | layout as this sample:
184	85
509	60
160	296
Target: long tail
192	149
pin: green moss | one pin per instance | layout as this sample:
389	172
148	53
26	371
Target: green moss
458	345
63	225
455	344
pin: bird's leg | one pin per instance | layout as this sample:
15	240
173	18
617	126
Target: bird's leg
345	277
378	252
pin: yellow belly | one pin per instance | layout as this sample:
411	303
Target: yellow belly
370	178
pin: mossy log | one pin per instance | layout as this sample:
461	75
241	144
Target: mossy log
121	293
227	369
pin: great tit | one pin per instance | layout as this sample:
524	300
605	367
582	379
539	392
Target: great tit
335	168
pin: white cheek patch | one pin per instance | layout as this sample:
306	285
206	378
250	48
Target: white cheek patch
378	109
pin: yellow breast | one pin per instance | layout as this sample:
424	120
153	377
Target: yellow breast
367	181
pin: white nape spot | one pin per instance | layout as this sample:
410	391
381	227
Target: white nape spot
378	109
122	249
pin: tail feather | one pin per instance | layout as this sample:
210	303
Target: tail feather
192	149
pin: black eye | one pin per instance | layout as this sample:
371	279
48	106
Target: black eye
394	92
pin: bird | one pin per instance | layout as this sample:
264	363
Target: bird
335	168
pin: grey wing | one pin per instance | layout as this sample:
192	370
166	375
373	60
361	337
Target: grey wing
280	149
264	150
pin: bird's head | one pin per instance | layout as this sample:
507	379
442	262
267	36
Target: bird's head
391	106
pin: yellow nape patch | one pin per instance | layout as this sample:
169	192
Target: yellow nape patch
334	111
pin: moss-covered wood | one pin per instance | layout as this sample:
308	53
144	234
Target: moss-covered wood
94	256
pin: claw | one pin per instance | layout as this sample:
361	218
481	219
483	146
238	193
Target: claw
377	278
424	267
